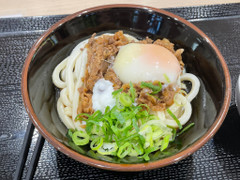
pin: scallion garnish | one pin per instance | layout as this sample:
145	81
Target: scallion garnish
156	89
174	133
119	116
82	117
148	151
132	92
135	124
167	78
175	118
125	99
80	138
70	133
124	150
108	148
126	129
75	147
96	143
165	142
114	93
185	129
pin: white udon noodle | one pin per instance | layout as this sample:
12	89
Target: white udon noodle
68	77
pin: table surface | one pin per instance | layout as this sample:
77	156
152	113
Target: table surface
217	159
56	7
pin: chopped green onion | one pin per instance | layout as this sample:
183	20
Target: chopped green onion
153	117
174	132
135	125
167	78
154	88
70	133
115	130
142	140
97	129
96	155
129	137
107	110
118	116
96	143
127	131
76	148
148	151
89	127
124	150
122	130
80	138
125	99
104	157
165	142
138	148
81	117
158	132
108	149
132	92
124	126
186	129
175	118
96	115
114	93
146	106
119	105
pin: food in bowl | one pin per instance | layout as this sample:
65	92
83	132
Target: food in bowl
123	96
201	58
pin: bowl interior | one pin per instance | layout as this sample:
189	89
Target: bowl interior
199	58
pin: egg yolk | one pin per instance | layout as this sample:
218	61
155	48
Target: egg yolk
146	62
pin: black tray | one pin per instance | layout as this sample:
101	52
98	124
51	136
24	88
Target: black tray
218	159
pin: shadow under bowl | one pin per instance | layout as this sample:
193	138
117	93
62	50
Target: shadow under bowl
200	56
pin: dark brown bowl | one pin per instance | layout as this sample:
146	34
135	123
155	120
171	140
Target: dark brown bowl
201	57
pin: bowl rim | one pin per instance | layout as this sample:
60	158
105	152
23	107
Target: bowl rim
114	166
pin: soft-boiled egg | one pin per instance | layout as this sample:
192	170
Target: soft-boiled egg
146	62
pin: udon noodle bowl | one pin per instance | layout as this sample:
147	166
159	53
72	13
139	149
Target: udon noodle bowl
123	96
